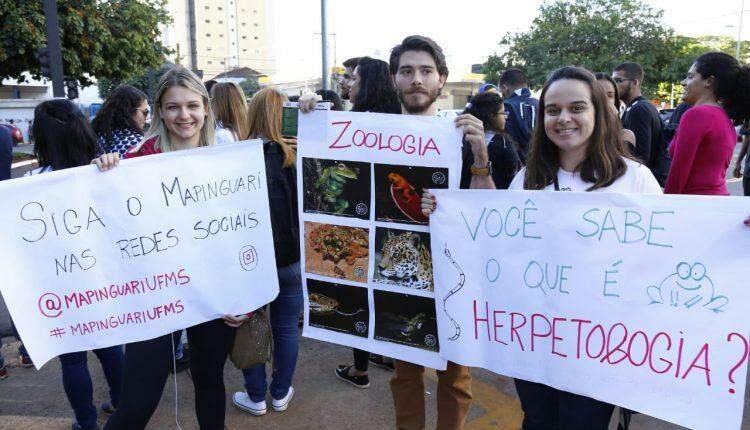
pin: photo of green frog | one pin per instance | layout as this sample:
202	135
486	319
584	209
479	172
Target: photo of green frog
336	187
405	319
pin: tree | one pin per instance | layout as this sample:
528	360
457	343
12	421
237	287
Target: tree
250	86
596	34
106	39
147	81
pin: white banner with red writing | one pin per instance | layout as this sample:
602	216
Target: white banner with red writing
640	301
365	242
94	259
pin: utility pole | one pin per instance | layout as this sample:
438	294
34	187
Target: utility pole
324	42
54	47
739	30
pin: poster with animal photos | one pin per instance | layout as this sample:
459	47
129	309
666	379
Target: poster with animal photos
364	242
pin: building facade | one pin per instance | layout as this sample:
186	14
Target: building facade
216	36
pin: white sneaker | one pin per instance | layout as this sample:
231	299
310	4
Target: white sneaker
242	401
283	403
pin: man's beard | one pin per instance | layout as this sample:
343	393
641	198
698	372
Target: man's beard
417	108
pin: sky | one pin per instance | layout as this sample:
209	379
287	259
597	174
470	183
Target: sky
467	30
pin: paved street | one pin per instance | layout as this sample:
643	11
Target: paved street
34	400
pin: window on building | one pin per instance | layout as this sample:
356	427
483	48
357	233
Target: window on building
244	50
256	37
221	8
221	22
244	37
206	7
208	34
222	62
255	24
221	35
208	62
255	11
208	21
208	48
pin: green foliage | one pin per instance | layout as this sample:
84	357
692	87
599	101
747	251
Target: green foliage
146	82
106	39
250	86
596	34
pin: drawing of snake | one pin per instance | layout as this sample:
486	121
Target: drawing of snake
453	291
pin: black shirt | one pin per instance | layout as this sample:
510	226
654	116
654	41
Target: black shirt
502	152
642	118
282	198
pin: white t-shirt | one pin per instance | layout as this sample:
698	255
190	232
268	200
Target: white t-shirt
637	179
224	135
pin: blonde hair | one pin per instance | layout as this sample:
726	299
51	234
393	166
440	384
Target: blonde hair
264	114
180	76
230	107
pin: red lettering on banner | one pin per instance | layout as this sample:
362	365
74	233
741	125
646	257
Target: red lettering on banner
408	144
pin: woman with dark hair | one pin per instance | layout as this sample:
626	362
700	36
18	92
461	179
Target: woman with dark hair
331	97
488	107
372	89
613	95
120	122
718	87
576	146
63	138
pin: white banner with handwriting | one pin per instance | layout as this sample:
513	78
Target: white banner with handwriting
160	243
640	301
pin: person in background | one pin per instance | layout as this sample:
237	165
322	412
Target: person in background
488	107
610	90
718	87
210	85
63	139
744	155
349	66
230	108
642	118
6	160
522	108
488	88
182	120
331	97
371	90
674	121
264	114
120	121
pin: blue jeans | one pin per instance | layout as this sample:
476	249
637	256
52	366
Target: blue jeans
21	349
77	381
285	312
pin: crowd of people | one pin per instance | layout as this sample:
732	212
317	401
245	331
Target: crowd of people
585	132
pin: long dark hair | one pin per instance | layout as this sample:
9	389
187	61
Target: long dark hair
376	90
732	86
63	137
604	162
484	106
117	111
600	76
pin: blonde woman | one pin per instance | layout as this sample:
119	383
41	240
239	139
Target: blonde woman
230	108
182	120
265	123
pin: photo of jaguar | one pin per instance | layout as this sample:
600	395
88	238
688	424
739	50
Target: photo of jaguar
403	258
